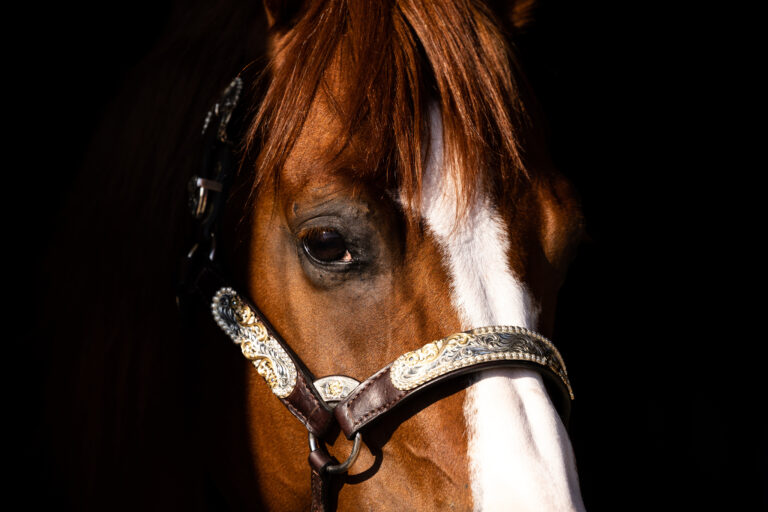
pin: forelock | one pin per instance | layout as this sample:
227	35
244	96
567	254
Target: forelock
379	66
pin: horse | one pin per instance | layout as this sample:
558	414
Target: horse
391	189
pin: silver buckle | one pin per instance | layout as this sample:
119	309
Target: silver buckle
198	194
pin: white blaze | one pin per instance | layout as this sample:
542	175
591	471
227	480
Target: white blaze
519	452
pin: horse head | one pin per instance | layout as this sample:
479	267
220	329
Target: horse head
392	192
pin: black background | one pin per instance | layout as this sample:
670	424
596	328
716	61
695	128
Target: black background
651	321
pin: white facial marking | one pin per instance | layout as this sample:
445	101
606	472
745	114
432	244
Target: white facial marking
519	452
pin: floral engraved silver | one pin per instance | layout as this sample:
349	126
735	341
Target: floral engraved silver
498	343
236	318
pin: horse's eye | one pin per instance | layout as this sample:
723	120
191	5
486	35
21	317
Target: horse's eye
326	245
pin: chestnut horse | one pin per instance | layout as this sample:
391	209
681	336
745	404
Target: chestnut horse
392	190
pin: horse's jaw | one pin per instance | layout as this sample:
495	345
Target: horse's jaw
519	453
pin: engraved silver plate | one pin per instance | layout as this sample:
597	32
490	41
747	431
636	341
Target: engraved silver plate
238	320
335	388
508	343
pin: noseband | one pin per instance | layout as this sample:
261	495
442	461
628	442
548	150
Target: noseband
334	401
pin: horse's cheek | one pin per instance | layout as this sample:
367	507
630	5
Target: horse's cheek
425	461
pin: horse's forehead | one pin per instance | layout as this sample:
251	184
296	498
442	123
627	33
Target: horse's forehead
317	157
543	211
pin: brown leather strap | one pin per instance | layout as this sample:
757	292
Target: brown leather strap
309	408
318	460
303	401
319	492
324	484
379	394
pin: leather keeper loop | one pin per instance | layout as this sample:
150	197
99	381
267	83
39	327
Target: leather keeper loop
318	460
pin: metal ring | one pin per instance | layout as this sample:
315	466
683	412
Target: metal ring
344	466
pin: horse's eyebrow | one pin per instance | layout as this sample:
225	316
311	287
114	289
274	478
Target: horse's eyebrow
332	204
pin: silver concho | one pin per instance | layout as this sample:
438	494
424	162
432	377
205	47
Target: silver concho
238	320
335	388
508	343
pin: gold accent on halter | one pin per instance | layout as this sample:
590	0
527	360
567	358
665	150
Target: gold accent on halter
244	327
243	313
484	344
432	351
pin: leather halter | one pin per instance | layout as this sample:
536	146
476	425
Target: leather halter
341	401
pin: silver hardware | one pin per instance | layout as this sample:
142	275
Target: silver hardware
236	318
212	252
224	107
209	184
484	344
192	251
333	389
198	194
